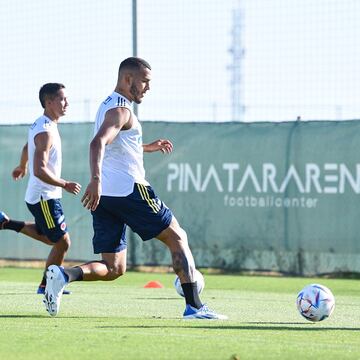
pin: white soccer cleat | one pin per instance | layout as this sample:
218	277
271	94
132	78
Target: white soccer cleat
203	313
55	284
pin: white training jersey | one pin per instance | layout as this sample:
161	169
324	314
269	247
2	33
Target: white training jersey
37	189
123	164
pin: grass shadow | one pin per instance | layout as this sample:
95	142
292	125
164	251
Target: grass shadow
253	326
23	316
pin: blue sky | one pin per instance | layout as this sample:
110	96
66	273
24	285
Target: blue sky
301	57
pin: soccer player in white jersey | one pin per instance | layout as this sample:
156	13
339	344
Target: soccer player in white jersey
119	195
42	155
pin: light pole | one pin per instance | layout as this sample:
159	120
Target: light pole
134	39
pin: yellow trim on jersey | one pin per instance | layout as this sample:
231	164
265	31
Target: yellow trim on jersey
46	211
145	196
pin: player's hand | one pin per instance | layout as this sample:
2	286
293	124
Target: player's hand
72	187
19	173
91	198
165	146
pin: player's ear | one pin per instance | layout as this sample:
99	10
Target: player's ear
47	100
129	78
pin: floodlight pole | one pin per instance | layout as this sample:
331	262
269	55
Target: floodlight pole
131	235
134	39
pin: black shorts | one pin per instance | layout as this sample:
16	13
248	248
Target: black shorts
142	211
49	218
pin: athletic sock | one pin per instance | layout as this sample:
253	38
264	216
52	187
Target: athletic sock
43	281
191	294
14	225
74	274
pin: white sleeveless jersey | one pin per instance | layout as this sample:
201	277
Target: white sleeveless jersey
37	189
123	159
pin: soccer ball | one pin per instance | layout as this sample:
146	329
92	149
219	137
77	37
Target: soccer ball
315	302
199	278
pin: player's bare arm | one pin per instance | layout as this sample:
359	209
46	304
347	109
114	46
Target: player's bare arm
165	146
43	143
115	120
21	170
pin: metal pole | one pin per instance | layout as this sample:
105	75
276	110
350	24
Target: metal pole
134	38
132	252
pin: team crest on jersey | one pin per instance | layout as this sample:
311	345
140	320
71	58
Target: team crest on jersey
47	124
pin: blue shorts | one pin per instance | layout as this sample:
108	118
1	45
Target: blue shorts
49	218
142	211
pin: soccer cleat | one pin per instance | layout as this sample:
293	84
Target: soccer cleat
55	284
203	313
41	290
3	219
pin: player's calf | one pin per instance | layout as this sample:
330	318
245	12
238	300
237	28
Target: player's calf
7	224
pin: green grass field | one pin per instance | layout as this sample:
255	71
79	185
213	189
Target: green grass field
123	320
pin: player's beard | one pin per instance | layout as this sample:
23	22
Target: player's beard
135	94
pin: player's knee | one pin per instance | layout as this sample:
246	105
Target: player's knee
180	237
183	235
65	242
116	271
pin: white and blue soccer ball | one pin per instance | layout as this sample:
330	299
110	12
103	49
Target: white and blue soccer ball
315	302
199	278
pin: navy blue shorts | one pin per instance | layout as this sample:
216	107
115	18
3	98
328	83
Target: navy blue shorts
142	211
49	218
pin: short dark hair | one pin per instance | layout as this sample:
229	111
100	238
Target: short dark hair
133	63
49	90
